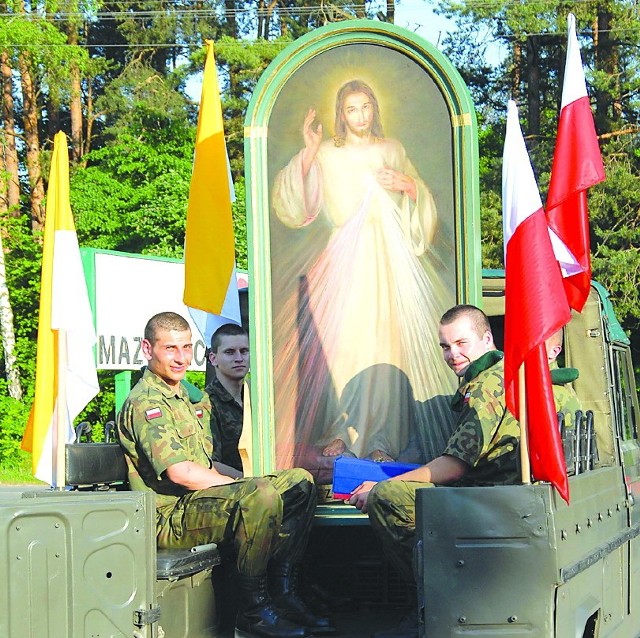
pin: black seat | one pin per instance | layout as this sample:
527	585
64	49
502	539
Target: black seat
102	467
95	466
176	563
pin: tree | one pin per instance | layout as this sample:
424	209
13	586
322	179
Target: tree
8	335
535	34
9	180
133	193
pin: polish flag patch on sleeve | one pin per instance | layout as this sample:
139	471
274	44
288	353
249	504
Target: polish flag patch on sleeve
467	397
153	413
199	413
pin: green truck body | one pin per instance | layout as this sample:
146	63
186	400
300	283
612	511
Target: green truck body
506	561
517	560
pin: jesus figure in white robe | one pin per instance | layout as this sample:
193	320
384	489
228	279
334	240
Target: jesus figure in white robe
356	356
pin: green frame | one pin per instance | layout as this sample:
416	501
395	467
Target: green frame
465	197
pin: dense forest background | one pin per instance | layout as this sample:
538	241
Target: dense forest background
113	76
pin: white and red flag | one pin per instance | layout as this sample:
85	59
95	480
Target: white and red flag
577	165
536	307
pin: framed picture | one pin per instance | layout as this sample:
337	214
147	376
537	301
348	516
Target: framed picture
362	176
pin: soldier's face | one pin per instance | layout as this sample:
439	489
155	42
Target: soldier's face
461	345
169	355
231	359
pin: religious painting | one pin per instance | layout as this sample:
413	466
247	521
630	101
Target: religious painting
362	245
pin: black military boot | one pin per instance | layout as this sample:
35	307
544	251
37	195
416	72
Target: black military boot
257	617
283	585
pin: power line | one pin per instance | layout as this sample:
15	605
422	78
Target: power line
173	8
273	43
180	13
177	15
150	45
167	7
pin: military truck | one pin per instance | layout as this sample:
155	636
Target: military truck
493	561
506	561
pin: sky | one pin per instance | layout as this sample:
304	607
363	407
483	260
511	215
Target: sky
414	15
417	16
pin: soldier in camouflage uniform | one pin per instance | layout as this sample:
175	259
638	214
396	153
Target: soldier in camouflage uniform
267	520
230	358
483	449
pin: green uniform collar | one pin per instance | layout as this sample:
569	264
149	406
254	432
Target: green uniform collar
195	394
562	376
486	361
481	364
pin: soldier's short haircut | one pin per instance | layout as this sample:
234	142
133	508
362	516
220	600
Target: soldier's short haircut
226	330
165	321
478	318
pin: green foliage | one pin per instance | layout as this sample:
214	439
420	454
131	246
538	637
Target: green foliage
239	211
20	474
143	103
133	193
196	377
13	419
240	64
102	408
23	258
42	47
614	207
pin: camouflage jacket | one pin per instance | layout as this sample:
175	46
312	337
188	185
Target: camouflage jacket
226	424
159	426
563	393
486	436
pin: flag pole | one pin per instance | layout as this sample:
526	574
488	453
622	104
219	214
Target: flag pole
61	412
525	465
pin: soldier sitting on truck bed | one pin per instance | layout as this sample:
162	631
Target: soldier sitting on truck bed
483	449
169	450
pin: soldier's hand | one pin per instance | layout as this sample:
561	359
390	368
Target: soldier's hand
360	495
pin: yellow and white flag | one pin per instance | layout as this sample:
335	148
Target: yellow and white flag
210	287
66	378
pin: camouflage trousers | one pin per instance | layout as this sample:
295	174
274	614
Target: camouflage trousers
392	511
261	518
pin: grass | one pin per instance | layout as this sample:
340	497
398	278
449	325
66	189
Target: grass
18	472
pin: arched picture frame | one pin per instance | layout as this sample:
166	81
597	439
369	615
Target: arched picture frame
363	215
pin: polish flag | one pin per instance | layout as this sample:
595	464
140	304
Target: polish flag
536	307
577	165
